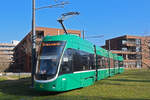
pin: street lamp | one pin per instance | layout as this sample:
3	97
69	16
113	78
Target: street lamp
34	34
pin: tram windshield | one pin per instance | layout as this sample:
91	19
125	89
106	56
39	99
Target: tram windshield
48	59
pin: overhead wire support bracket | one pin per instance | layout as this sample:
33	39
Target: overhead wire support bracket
52	6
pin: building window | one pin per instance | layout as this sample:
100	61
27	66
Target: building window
132	49
132	56
124	49
138	49
138	41
138	56
138	64
131	41
124	41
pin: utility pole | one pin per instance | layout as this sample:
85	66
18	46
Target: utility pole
83	33
33	62
109	56
33	44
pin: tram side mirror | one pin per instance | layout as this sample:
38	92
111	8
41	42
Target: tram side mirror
65	59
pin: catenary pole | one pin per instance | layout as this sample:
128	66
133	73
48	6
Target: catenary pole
109	57
33	43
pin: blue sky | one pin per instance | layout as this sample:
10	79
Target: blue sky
110	18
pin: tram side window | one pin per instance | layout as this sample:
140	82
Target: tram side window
98	61
82	61
116	63
106	62
84	58
120	63
77	61
92	61
101	61
111	63
66	65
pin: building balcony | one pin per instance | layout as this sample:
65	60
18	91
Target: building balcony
6	49
124	52
131	60
131	44
6	53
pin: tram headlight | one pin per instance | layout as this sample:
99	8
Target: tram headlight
63	79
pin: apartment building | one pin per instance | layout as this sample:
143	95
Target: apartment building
23	51
134	49
6	54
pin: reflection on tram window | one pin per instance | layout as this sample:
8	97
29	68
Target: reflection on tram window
66	64
76	60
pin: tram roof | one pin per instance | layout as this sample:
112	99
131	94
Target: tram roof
73	41
76	42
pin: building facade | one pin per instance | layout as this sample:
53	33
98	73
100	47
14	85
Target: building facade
134	49
6	55
23	51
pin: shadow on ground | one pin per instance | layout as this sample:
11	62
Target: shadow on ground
21	88
129	80
89	98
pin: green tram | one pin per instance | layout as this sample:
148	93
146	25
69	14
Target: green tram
67	62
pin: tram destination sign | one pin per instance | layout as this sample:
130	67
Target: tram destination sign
51	44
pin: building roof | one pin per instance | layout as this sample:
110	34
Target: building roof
129	37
